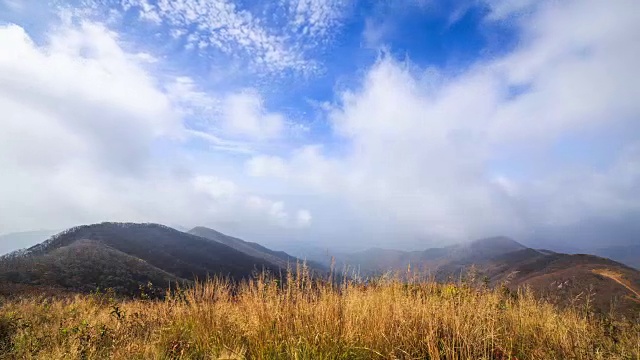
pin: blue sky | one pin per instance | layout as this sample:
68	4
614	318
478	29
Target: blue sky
348	123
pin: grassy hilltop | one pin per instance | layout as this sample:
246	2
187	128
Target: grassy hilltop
298	318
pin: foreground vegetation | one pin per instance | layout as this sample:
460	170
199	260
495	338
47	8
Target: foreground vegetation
296	318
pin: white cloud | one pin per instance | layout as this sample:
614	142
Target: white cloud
184	92
421	145
375	32
244	115
317	18
272	38
88	134
215	187
227	120
576	60
146	58
114	101
277	213
573	197
303	218
267	166
220	24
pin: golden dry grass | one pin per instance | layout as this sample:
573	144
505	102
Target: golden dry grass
301	319
619	278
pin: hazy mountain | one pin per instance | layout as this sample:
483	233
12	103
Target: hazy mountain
377	260
280	258
21	240
629	255
500	260
249	248
123	255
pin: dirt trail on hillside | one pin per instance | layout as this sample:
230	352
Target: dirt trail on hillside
617	277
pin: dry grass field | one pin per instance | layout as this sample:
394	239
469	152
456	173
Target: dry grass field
297	318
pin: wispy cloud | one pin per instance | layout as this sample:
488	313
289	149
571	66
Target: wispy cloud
229	121
316	18
276	40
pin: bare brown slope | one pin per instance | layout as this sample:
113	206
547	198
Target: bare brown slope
563	278
604	285
620	279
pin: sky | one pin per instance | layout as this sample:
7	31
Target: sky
349	124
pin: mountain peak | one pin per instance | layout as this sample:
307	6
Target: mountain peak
255	250
204	229
181	254
98	231
496	245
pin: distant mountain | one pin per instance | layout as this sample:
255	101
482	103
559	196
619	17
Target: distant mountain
500	260
249	248
125	256
490	247
629	254
372	260
21	240
376	260
280	258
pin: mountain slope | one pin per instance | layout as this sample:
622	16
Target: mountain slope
280	258
564	278
124	251
375	260
86	265
605	285
252	249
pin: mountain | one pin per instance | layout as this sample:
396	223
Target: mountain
20	240
128	256
372	260
250	248
377	260
279	258
609	286
563	278
85	265
125	256
628	254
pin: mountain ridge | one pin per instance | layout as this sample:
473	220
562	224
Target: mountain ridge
129	255
164	250
505	262
280	258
